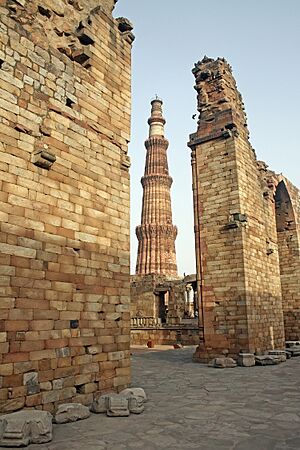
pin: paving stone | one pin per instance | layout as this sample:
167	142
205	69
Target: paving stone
294	443
288	417
197	407
71	412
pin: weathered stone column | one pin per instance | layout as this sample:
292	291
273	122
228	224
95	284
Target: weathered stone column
238	277
156	234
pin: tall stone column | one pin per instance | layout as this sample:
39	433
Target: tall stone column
156	234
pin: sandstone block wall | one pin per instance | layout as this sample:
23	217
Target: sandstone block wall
64	241
287	202
235	225
143	302
149	291
166	336
159	307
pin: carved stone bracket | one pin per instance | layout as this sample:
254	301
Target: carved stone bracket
125	162
43	158
153	230
164	180
126	27
155	141
236	221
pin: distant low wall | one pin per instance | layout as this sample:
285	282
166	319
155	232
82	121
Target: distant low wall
165	336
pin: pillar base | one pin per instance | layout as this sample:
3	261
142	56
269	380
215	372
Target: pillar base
204	354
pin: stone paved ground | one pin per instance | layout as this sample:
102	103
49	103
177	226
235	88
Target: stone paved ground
192	406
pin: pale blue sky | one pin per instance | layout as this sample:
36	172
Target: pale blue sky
260	39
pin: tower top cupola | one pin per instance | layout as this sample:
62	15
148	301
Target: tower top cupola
156	120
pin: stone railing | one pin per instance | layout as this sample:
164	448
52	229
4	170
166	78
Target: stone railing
155	322
191	321
145	322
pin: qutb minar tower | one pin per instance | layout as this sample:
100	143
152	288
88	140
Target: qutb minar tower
156	234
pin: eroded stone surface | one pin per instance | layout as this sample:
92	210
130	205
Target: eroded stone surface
24	427
136	399
135	404
100	404
293	351
130	400
279	354
137	392
222	363
117	406
266	360
246	360
293	348
71	412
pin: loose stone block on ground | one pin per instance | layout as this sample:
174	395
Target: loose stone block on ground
24	427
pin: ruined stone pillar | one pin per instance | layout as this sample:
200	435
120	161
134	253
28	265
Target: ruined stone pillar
238	277
156	234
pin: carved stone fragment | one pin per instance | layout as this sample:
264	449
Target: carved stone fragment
222	363
99	405
130	400
71	412
246	360
136	399
25	427
138	392
117	406
266	360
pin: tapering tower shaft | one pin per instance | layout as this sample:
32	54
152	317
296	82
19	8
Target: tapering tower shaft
156	234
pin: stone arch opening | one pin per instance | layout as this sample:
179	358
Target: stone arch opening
285	216
289	261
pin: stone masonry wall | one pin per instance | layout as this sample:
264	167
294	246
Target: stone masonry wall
165	336
285	197
143	300
64	130
145	291
288	231
238	278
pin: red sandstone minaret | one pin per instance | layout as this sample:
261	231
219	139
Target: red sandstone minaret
156	234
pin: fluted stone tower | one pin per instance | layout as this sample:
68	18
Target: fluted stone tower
156	234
